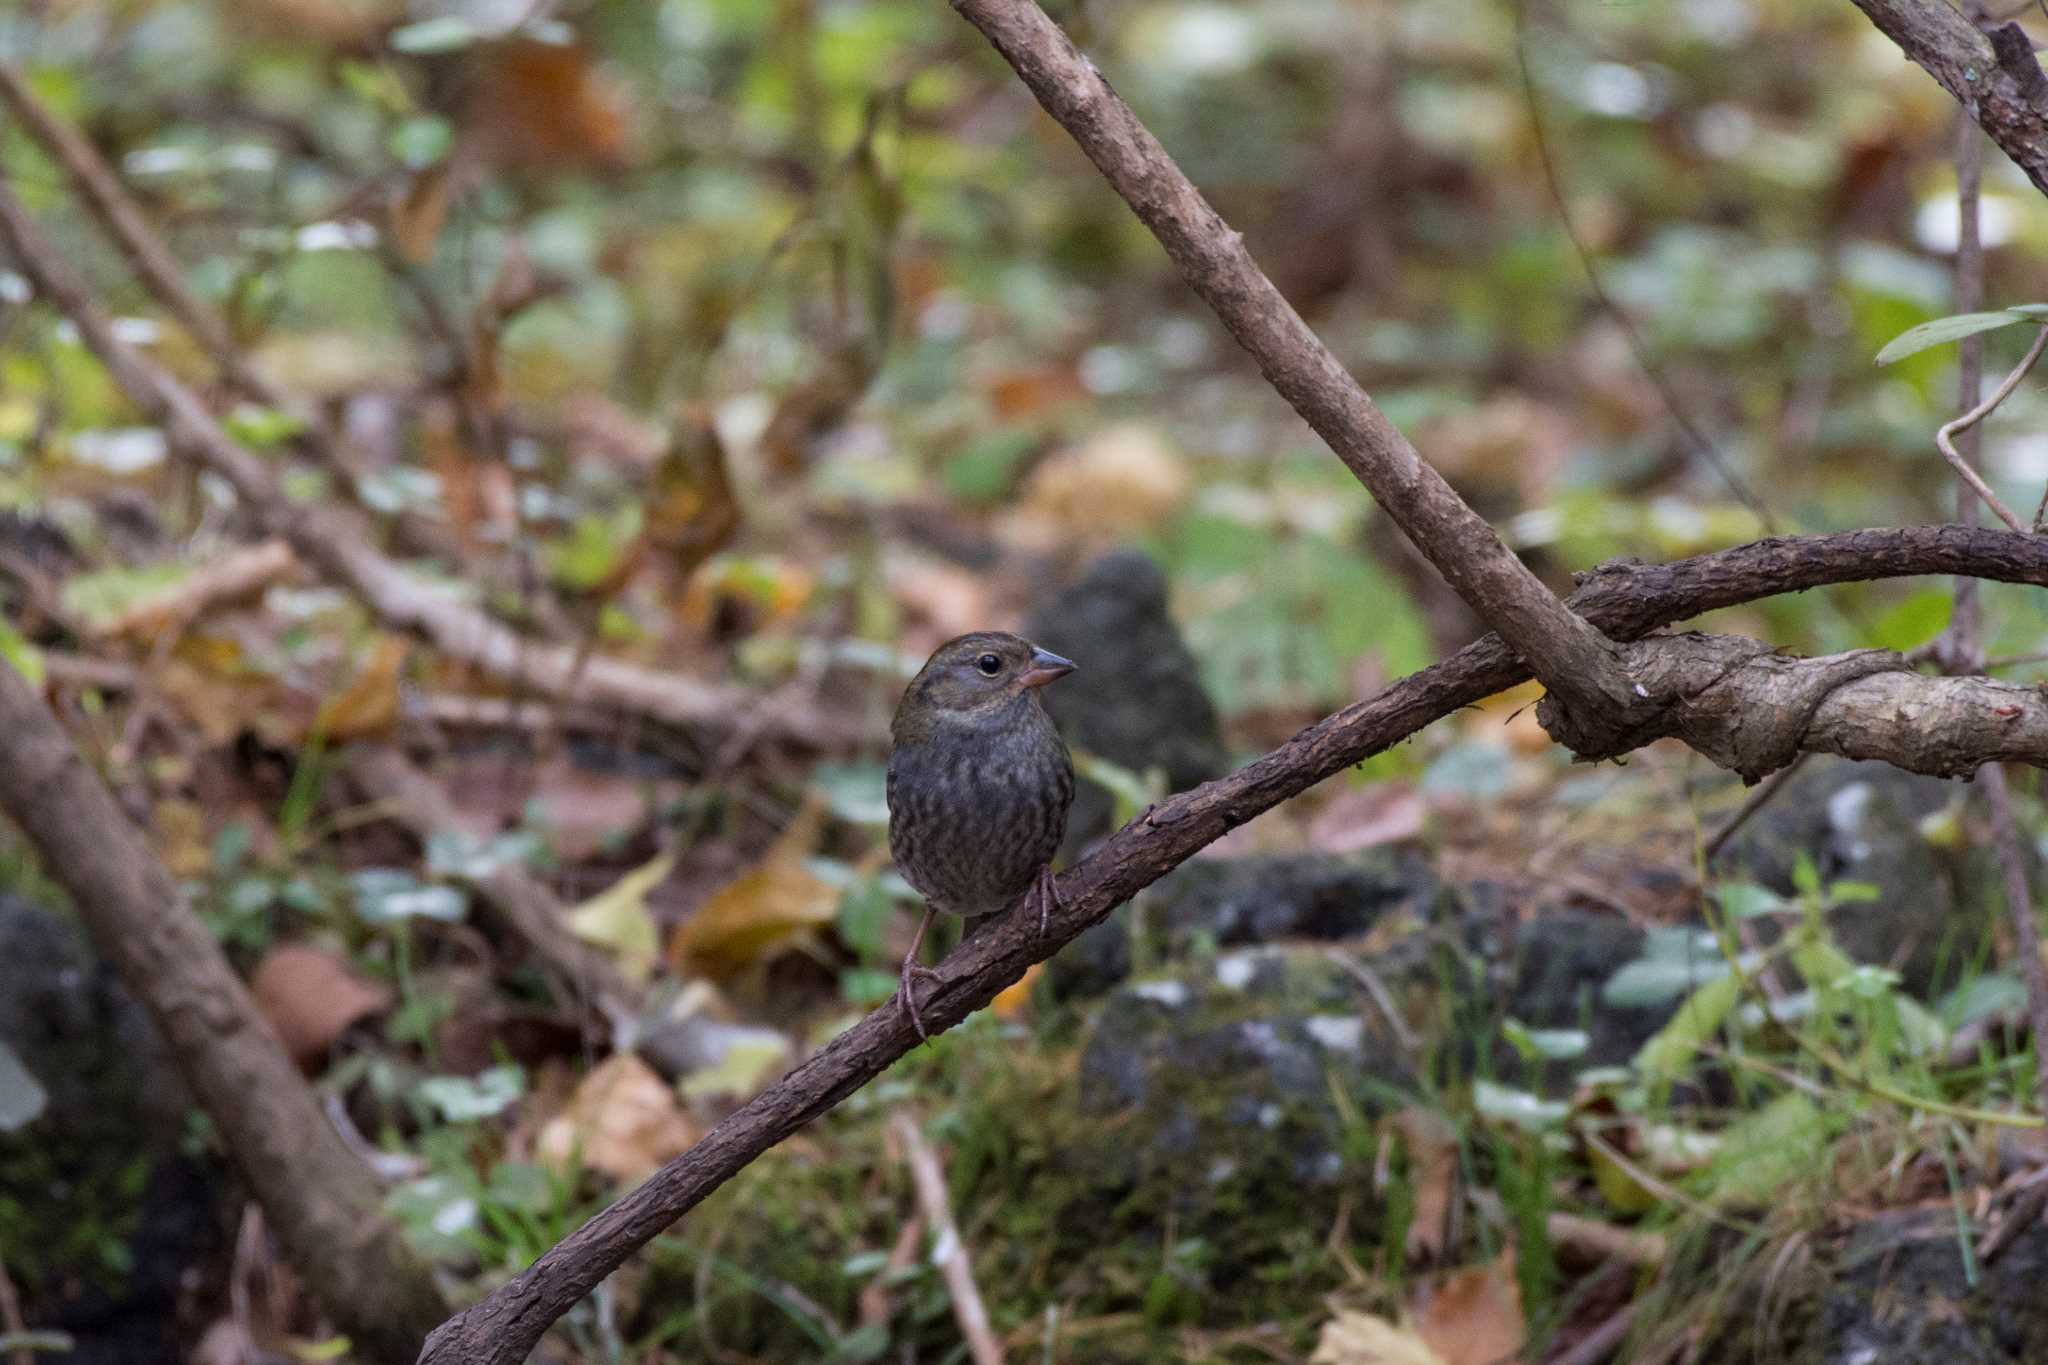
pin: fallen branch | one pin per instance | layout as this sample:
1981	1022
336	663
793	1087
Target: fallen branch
577	970
341	551
235	576
145	252
949	1252
324	1203
1625	600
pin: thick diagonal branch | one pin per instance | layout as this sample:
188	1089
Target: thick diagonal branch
1995	76
1625	600
1573	660
322	1200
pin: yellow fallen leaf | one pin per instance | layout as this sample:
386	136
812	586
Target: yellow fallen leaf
1475	1317
623	1121
368	706
1013	998
617	918
1354	1338
763	912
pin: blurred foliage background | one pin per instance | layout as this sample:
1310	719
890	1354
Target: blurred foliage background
773	342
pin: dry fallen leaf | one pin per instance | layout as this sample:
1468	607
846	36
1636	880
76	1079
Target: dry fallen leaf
1012	1000
1354	1338
760	913
311	996
1432	1174
1475	1316
369	705
1366	817
180	836
617	918
1120	482
624	1121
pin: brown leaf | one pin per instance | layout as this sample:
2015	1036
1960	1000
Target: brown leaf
418	215
179	833
1475	1316
624	1121
1432	1174
761	913
311	996
369	705
1366	817
1122	481
545	107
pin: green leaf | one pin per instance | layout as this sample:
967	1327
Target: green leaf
1130	792
1746	900
447	33
1673	962
1766	1151
18	653
460	1098
617	918
1915	621
1518	1107
1941	331
1674	1046
855	792
421	142
1545	1044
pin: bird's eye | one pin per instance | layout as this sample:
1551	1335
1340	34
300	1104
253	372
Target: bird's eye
989	665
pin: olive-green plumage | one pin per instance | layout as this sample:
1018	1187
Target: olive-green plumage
979	781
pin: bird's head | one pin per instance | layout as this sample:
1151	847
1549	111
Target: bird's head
980	674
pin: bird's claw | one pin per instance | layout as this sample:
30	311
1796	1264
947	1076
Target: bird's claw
906	995
1048	900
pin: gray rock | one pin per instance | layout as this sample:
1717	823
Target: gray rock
1901	1294
1557	964
1860	822
1265	898
1137	698
102	1213
1217	1077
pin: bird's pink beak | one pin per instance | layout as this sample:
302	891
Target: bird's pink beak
1045	667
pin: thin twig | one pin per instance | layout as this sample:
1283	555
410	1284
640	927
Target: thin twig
1602	1341
1966	633
1381	996
1640	348
103	194
11	1319
949	1253
1756	801
1945	437
338	548
2019	903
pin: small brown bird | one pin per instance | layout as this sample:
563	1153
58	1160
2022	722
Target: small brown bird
979	785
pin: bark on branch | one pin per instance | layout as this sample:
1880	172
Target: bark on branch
1995	77
1574	661
1623	599
322	1200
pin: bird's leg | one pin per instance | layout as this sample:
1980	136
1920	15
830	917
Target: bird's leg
1048	899
906	992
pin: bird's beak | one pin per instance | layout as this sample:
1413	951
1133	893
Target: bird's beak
1045	667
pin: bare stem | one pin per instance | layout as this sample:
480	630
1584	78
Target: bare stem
1945	438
